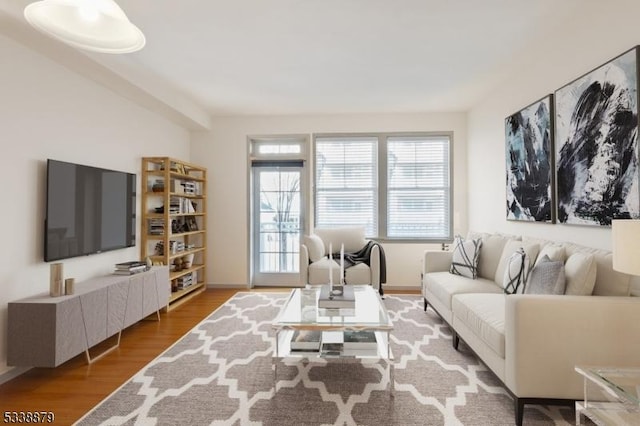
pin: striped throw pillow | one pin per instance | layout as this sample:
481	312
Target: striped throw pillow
465	257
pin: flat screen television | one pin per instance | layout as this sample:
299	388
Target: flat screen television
89	210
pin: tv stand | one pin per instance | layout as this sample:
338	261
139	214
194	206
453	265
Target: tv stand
46	331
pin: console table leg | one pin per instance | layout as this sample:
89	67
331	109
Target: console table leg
91	360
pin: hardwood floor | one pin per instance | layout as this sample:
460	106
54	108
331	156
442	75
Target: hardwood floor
72	389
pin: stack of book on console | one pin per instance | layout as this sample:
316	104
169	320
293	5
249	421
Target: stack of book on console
346	300
130	268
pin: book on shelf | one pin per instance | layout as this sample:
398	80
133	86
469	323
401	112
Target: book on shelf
360	340
306	340
332	349
346	300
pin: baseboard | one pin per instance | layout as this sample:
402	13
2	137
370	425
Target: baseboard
228	286
13	373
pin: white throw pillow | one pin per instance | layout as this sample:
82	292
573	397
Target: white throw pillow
516	272
580	272
509	248
315	246
554	252
465	257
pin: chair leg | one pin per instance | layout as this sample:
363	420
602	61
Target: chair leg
455	340
425	304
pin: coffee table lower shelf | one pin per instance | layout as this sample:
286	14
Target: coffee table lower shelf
383	352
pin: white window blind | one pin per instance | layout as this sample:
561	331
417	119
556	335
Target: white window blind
418	187
346	190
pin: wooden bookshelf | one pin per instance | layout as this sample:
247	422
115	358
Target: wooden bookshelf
174	217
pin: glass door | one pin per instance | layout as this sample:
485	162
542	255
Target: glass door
277	224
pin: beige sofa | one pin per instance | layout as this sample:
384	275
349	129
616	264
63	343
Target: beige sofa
532	342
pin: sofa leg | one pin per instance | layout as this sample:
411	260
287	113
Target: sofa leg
455	339
425	304
519	406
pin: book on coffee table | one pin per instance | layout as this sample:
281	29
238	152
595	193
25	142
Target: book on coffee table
346	300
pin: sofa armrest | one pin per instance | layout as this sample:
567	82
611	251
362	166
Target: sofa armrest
436	261
304	264
547	336
374	266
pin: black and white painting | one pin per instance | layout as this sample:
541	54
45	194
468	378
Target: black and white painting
596	144
528	135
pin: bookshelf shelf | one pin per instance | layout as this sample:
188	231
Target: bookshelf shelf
173	223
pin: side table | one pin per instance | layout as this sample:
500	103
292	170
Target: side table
611	395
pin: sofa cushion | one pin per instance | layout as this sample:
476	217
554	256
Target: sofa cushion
580	272
444	286
490	253
319	271
351	236
555	253
516	272
483	314
315	246
356	274
609	282
465	257
509	248
546	277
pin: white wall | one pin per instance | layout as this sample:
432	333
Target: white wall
224	152
601	31
46	111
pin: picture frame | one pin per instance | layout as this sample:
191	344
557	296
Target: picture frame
596	150
529	163
192	224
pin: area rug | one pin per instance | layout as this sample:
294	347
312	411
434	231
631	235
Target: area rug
221	373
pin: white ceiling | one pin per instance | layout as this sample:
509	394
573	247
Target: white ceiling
249	57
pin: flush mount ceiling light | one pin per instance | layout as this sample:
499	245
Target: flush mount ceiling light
96	25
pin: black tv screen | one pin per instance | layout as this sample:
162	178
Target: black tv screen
89	210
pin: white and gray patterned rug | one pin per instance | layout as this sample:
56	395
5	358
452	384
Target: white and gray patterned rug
220	373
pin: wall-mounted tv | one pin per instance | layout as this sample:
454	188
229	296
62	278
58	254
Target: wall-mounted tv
89	210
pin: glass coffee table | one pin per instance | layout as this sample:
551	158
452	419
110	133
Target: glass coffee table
611	395
301	313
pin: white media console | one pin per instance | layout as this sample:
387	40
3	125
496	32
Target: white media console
46	331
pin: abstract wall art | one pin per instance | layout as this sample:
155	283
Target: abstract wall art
529	149
596	144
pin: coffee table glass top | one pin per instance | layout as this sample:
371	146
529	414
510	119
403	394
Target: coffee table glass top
301	311
623	382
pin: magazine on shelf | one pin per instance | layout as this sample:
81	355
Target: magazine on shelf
306	340
360	340
332	349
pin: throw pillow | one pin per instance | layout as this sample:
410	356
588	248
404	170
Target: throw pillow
465	257
554	252
511	247
516	272
580	272
546	277
315	246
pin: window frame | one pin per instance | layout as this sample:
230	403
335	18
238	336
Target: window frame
382	180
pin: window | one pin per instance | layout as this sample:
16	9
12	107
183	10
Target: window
346	182
397	185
